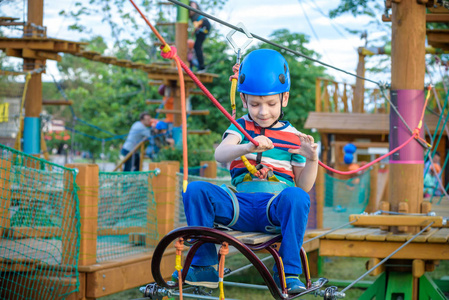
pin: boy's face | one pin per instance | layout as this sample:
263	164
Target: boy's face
265	110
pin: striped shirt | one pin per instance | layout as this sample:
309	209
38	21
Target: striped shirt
278	158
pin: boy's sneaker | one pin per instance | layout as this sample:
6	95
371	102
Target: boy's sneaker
200	276
294	285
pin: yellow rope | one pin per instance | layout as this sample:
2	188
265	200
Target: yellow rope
233	90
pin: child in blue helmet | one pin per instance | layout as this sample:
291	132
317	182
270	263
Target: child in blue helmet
277	203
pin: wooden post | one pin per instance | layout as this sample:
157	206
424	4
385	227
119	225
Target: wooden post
142	156
211	170
5	195
407	85
318	95
359	91
33	100
164	189
319	186
88	182
372	204
181	31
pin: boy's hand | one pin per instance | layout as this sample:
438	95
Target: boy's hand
264	144
308	147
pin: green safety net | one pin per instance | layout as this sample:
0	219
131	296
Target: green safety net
180	217
39	228
344	197
127	219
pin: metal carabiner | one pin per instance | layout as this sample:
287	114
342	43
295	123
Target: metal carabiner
237	49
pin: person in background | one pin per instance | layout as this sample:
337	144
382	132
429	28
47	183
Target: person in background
431	185
139	130
160	139
436	159
202	28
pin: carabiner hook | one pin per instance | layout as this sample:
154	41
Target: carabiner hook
237	49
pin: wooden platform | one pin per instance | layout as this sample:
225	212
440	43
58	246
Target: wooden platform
375	243
48	251
357	123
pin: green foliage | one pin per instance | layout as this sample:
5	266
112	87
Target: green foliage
200	148
356	8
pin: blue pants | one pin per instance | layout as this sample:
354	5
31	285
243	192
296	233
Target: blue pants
133	163
206	203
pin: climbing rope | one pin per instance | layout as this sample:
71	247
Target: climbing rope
170	53
179	245
224	250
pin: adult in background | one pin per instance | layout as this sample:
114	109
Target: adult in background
202	28
139	130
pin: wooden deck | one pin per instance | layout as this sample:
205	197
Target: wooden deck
375	243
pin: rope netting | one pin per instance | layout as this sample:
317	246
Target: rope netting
180	217
343	197
127	218
39	228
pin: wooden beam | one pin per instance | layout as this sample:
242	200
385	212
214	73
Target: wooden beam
35	44
125	273
164	189
88	181
5	194
395	220
199	132
13	52
34	232
204	112
120	231
57	102
153	101
107	59
345	248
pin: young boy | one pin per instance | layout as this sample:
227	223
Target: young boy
258	205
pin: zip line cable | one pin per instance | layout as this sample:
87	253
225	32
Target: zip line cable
313	29
317	8
270	42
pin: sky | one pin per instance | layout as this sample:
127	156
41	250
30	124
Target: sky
327	37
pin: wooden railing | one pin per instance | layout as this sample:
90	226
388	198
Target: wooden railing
333	96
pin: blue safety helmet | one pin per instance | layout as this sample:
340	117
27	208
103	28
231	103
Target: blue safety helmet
264	72
161	125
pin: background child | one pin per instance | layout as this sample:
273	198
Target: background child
202	28
259	205
431	186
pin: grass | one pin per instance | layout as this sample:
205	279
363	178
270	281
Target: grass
337	268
